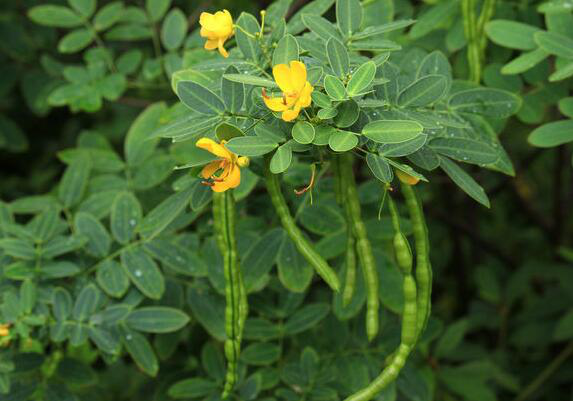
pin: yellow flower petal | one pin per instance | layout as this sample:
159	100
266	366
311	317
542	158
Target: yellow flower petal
222	50
210	169
282	75
211	44
298	75
232	179
215	148
289	115
275	103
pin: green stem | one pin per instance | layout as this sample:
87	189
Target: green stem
546	373
302	244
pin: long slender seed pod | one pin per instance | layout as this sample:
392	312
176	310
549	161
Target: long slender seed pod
302	244
410	317
422	246
363	246
350	261
224	217
399	357
350	255
402	249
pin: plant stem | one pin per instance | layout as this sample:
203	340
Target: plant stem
546	373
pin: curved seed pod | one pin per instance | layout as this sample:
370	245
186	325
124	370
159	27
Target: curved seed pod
350	261
302	244
363	247
422	246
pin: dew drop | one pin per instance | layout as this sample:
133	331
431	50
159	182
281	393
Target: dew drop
128	337
132	222
138	273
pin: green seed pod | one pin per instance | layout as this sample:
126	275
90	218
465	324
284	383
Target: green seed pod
403	252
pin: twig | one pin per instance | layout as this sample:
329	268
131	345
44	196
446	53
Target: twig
545	373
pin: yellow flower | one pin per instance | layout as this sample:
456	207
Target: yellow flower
296	90
217	28
406	178
4	330
224	173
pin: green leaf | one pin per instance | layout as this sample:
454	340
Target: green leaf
157	8
199	99
564	328
306	318
75	41
374	45
465	150
233	93
62	245
382	28
334	88
112	278
303	132
18	248
495	103
342	141
316	7
176	257
281	160
392	131
163	214
320	26
406	169
140	350
512	34
126	214
59	270
86	303
403	148
270	132
562	73
337	57
139	144
108	15
99	240
157	319
62	303
209	309
261	257
251	145
54	16
104	340
552	134
565	107
555	43
347	114
192	388
379	167
84	7
251	80
174	29
261	354
143	272
327	114
74	181
249	45
525	62
423	92
464	181
295	273
348	16
286	50
28	296
361	79
434	18
451	338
